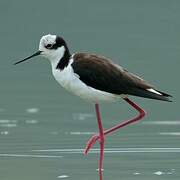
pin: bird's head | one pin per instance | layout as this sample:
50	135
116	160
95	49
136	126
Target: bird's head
51	47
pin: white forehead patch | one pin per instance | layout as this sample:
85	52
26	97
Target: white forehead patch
47	39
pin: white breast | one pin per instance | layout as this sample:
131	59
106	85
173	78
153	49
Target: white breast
71	82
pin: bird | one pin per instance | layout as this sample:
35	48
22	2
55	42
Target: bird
95	79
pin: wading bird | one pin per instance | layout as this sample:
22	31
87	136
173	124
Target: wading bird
95	79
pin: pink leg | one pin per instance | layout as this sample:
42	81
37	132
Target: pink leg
96	137
101	141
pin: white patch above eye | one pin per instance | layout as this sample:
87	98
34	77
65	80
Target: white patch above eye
154	91
47	39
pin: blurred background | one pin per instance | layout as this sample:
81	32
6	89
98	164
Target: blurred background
43	128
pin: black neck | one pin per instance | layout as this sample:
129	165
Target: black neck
63	62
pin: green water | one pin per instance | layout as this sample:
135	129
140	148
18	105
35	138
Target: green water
42	127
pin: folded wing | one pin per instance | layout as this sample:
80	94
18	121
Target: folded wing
100	73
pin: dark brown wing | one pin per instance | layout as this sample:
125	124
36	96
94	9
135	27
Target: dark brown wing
100	73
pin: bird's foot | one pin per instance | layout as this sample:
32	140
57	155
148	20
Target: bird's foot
91	142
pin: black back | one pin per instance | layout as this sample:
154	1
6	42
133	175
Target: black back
101	74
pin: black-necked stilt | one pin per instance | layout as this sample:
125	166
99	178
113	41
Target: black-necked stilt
95	78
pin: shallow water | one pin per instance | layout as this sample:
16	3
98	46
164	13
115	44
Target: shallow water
43	128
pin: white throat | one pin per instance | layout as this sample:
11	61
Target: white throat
56	56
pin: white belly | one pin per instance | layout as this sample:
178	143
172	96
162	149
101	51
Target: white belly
72	83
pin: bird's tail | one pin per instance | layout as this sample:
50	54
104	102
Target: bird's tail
152	94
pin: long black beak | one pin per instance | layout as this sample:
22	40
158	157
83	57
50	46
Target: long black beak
35	54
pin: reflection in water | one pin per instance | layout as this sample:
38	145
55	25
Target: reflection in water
32	110
31	121
6	123
80	133
63	176
82	116
4	132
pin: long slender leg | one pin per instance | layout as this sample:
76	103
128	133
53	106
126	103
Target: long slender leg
101	141
96	137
